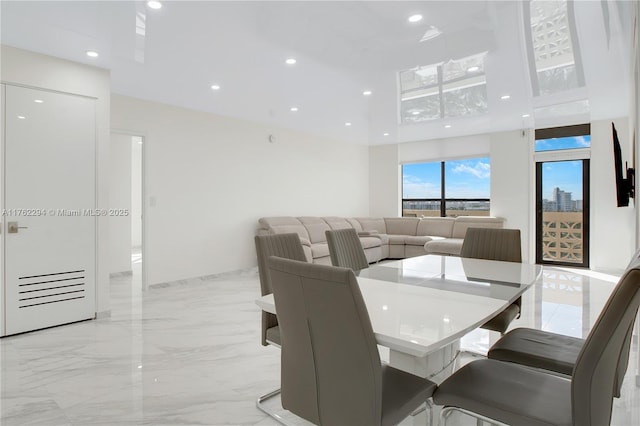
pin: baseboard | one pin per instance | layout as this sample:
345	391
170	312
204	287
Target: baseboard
103	314
222	275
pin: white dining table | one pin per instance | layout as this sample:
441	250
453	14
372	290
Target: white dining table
420	307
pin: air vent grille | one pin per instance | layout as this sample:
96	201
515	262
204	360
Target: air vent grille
57	287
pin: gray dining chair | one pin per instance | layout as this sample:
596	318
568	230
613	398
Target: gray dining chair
282	245
495	244
552	351
331	369
345	249
514	394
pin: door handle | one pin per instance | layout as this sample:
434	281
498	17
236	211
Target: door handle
13	227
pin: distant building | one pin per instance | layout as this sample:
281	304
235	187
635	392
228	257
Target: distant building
561	202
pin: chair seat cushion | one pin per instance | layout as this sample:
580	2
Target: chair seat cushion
273	335
509	393
501	322
402	393
537	348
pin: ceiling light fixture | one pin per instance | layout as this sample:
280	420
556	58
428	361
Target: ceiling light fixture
525	115
447	126
415	18
21	117
415	112
347	124
38	101
385	134
92	53
154	4
505	97
290	61
473	68
293	109
215	87
367	92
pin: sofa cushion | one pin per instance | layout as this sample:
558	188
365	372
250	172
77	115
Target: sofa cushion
450	246
284	225
335	222
396	240
354	224
401	225
316	228
416	241
464	222
319	250
373	224
436	226
368	242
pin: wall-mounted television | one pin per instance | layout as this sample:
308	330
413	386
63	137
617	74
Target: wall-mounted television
625	186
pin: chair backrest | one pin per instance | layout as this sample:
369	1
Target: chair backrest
598	371
492	244
331	371
346	250
281	245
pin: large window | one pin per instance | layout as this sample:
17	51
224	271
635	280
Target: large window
451	89
446	188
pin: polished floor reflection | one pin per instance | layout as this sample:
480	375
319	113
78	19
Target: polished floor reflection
189	354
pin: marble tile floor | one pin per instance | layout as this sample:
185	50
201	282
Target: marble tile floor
189	354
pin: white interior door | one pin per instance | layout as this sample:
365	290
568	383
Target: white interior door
49	215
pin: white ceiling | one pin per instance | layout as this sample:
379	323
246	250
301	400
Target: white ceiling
342	48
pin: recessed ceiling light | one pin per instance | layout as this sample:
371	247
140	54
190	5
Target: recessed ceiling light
215	87
290	61
38	101
415	18
293	109
447	126
415	112
525	115
21	117
385	134
505	97
367	92
92	54
154	4
347	124
473	68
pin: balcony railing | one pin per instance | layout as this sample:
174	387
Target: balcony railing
432	207
562	237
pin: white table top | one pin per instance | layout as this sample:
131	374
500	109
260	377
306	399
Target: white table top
420	304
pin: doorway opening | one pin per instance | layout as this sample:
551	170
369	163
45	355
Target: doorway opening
126	195
562	196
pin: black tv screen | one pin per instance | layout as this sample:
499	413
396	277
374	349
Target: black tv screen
624	186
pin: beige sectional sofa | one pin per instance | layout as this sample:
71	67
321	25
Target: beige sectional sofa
382	238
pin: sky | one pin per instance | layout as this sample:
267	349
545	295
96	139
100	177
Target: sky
471	178
464	179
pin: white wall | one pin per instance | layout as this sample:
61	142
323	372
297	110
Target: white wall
210	178
384	181
612	228
120	198
513	186
40	71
